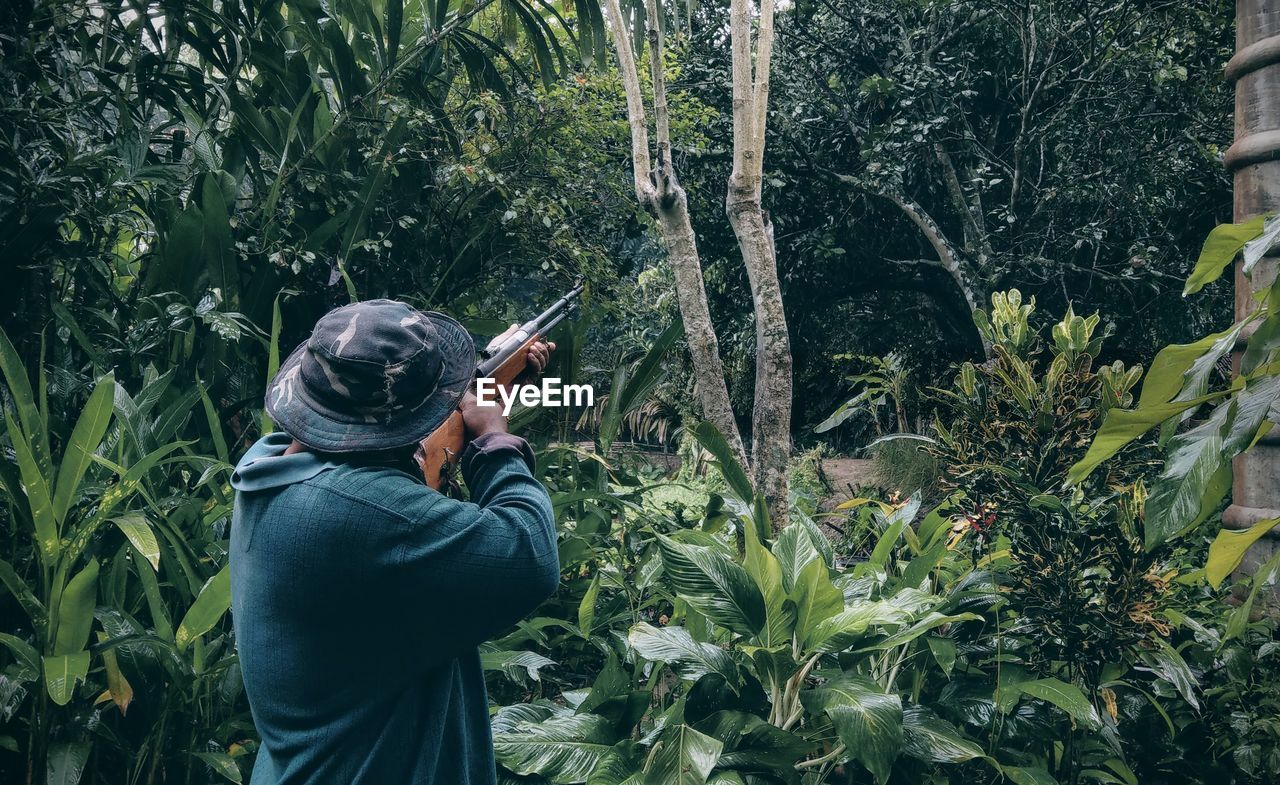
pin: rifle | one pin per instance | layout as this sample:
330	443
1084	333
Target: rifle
504	363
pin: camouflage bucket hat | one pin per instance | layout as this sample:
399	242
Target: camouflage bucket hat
374	375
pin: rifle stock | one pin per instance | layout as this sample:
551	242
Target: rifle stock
442	448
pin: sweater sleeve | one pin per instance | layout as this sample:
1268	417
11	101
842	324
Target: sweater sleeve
487	563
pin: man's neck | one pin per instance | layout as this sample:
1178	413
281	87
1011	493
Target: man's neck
295	447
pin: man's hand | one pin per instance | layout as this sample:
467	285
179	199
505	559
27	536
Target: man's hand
480	420
539	355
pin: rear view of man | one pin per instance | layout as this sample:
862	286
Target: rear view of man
359	594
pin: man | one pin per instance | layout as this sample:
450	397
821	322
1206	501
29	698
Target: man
359	594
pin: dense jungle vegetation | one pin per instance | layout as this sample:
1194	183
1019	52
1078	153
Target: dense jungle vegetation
984	216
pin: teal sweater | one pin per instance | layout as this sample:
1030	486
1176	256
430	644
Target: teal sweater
359	596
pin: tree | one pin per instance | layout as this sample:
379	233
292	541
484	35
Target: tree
658	189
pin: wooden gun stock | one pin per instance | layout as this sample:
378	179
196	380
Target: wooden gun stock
441	449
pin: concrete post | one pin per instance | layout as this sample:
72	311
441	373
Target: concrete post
1254	162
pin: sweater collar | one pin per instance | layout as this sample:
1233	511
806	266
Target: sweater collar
266	466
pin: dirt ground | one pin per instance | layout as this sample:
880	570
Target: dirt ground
844	476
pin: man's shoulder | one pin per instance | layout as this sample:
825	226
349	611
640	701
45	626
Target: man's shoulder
381	488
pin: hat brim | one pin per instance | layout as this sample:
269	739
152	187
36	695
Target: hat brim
303	419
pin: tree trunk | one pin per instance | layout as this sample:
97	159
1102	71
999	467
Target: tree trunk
771	417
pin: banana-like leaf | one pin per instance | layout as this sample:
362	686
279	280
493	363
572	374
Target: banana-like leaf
75	611
135	528
85	438
1067	697
930	622
1230	546
1122	426
26	655
1028	775
714	442
67	761
868	721
39	497
23	594
764	569
1169	665
512	662
816	599
62	672
207	610
1219	251
563	749
1267	575
587	608
839	632
223	764
751	744
929	738
717	587
34	429
1177	501
676	647
682	756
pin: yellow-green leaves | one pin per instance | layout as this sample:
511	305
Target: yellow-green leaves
1219	250
207	610
141	537
1229	548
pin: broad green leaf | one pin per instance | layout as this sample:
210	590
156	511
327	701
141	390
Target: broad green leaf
223	764
794	549
26	655
676	647
1122	426
682	756
839	632
1178	496
36	487
929	738
514	661
587	608
944	652
34	429
1219	251
1258	247
1267	575
67	760
930	622
62	672
219	248
1230	546
715	586
1026	775
1167	375
868	721
563	749
75	611
751	744
1169	665
1067	697
715	443
22	593
85	438
135	528
764	569
207	610
816	599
